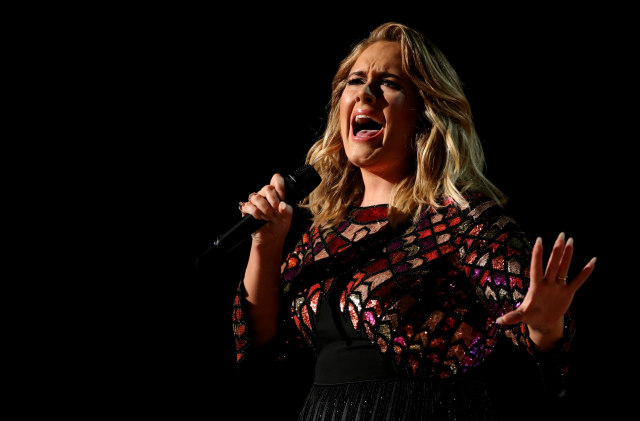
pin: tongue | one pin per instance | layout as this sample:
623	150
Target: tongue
367	133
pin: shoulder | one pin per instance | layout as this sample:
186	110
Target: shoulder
477	209
479	204
474	205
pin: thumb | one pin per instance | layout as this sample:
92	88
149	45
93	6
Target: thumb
285	209
510	318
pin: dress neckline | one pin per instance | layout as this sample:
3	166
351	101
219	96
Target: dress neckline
368	214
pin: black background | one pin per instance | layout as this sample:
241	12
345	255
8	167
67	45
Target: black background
190	110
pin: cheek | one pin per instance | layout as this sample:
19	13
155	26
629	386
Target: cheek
402	112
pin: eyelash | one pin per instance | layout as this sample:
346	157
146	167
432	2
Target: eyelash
385	82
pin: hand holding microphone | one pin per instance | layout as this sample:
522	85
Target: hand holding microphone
269	205
273	204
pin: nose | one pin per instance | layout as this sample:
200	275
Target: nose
366	94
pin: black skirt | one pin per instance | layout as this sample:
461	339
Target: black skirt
405	399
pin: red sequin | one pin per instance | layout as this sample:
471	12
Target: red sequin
397	256
498	263
471	257
515	282
425	233
313	301
377	266
305	317
447	248
431	255
476	230
439	228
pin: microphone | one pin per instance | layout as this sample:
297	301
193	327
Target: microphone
297	186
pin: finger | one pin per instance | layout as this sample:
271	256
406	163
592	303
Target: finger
565	262
249	208
510	318
285	209
583	275
554	260
269	192
536	271
277	181
262	204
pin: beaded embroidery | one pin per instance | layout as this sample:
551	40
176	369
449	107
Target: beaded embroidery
427	295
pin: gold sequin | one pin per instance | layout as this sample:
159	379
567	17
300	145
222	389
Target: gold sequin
514	266
383	329
355	299
433	320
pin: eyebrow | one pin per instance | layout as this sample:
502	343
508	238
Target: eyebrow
362	73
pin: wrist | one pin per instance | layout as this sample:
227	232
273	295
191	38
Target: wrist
546	338
266	248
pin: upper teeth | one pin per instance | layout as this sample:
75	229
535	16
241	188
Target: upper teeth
361	116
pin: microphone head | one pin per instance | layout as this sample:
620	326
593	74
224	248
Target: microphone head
302	182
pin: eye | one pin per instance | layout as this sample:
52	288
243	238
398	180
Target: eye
356	81
391	84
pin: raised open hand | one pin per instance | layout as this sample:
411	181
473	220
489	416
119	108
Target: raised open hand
550	293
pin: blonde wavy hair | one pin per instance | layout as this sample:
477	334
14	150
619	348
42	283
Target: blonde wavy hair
449	159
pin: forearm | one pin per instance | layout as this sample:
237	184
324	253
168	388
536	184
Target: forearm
262	286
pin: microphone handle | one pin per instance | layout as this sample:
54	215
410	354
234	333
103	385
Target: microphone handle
297	186
238	233
248	224
226	242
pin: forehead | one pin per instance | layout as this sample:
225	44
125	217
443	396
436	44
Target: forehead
381	56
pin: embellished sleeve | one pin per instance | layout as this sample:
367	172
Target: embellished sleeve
240	330
496	256
285	341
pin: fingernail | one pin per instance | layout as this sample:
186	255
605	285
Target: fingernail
499	320
561	236
570	241
539	240
593	261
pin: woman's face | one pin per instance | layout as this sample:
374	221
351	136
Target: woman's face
379	112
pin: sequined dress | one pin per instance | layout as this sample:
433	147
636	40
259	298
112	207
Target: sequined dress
398	318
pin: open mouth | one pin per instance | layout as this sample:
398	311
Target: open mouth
365	126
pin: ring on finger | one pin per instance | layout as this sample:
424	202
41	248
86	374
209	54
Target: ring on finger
561	278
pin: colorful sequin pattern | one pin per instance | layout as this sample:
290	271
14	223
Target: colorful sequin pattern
426	295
